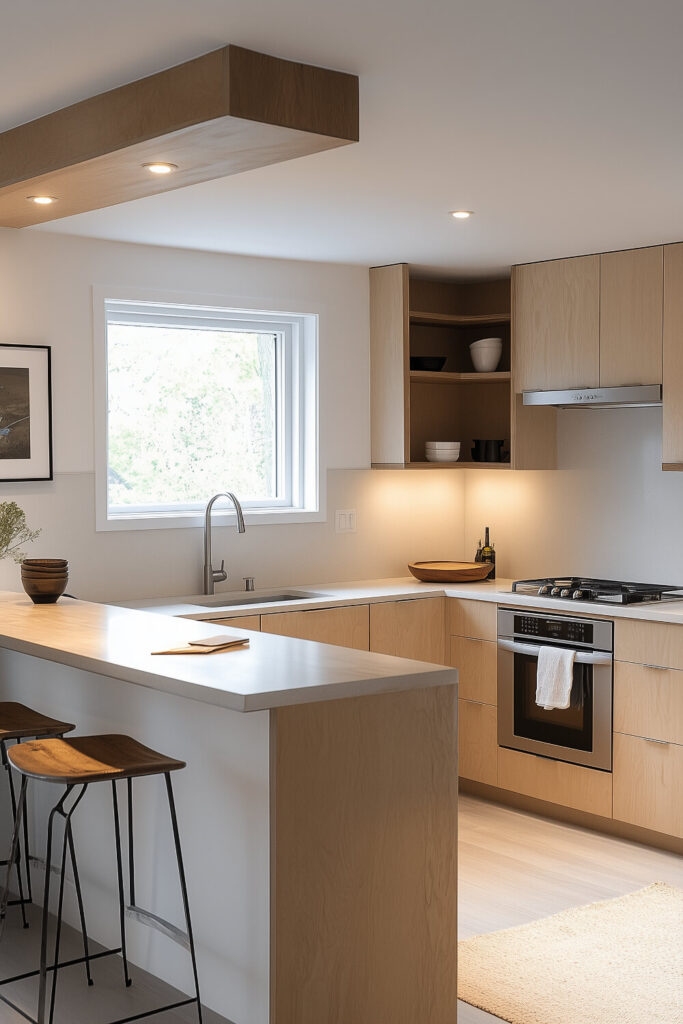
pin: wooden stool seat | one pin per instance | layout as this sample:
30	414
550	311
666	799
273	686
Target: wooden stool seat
17	721
84	759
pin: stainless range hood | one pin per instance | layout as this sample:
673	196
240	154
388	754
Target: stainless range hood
635	397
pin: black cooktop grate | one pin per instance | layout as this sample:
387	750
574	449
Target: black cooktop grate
610	591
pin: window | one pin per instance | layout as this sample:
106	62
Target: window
197	400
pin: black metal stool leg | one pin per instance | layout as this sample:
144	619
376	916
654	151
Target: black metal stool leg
119	870
13	802
21	806
183	888
79	897
42	984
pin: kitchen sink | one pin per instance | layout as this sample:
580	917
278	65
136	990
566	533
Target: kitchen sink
231	601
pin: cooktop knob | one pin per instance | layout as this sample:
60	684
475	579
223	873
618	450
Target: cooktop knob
543	590
565	592
555	592
578	595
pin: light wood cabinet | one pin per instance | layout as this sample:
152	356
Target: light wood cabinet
343	627
631	295
476	619
477	742
672	383
571	785
648	702
556	324
409	629
252	622
648	643
476	661
647	784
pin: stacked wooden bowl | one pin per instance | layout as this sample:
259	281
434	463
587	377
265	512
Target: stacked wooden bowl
44	579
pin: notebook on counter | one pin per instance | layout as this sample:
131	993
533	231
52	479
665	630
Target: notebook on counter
208	645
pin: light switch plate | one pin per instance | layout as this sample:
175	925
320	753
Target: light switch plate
345	520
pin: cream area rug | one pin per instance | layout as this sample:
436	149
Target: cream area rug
619	961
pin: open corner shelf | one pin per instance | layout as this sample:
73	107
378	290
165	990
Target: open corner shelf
427	377
458	465
458	319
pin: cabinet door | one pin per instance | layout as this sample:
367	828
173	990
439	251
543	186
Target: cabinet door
476	662
238	621
477	742
672	378
477	619
556	319
570	785
409	629
342	627
631	293
648	701
389	365
647	784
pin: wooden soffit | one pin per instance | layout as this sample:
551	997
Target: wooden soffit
228	111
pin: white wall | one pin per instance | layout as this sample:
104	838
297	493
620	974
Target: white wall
609	511
45	298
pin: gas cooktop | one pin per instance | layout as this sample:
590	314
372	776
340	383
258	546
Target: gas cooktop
579	588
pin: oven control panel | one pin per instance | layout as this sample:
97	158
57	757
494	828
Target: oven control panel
567	630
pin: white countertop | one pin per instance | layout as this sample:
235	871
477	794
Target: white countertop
331	595
273	671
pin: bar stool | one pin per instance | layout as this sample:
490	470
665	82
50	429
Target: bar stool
17	722
77	763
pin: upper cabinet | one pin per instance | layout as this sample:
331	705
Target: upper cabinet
631	291
556	324
590	321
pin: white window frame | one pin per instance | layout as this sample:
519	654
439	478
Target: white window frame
299	498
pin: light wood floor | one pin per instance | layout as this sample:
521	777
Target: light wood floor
514	868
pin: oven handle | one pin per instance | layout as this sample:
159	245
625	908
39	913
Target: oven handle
582	657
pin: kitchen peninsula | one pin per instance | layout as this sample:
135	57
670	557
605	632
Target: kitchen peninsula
324	819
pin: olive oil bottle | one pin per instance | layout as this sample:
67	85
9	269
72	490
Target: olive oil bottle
488	554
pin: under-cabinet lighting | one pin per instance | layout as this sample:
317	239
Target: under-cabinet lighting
461	214
41	200
159	167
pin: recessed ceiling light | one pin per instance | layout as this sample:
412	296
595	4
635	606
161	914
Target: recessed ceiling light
461	214
159	167
41	200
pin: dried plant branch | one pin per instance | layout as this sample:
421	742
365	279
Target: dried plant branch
14	531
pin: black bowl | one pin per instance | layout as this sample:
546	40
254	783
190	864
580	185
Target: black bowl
431	364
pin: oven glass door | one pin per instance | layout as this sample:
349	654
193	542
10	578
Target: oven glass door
571	728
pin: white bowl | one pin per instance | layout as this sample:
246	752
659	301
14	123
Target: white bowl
442	456
486	354
442	444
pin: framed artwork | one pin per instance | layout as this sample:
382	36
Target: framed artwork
25	413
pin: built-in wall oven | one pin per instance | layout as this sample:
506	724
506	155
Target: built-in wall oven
580	734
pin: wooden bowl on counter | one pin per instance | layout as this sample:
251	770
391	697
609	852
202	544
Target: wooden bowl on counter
44	580
450	572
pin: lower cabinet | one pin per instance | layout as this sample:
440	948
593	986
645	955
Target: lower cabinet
476	661
477	742
410	629
571	785
647	783
238	621
342	627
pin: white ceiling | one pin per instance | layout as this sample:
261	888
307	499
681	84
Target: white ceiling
558	121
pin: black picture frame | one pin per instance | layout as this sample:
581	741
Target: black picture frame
26	372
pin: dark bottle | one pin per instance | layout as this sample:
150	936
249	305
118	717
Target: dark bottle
477	557
489	555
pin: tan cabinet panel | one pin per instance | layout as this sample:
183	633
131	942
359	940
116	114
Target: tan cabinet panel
647	784
343	627
571	785
556	323
477	619
672	389
476	662
648	702
409	629
648	643
238	621
631	294
389	366
477	742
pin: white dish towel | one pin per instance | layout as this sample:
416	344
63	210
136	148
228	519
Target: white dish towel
554	678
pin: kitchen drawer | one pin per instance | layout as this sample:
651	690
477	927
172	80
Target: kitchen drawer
238	621
342	627
476	661
648	643
476	619
477	742
648	701
585	789
647	784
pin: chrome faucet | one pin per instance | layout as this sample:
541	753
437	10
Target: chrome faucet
211	575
